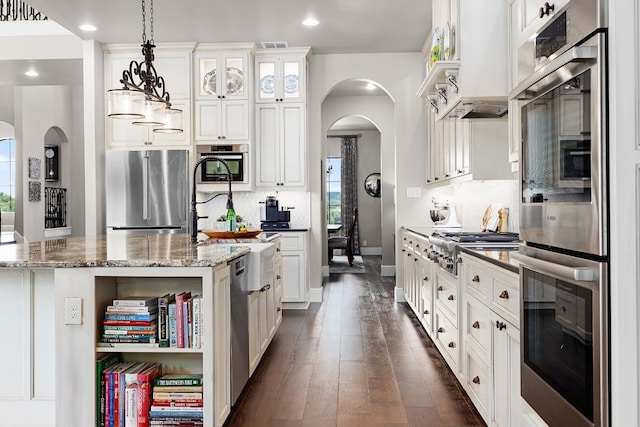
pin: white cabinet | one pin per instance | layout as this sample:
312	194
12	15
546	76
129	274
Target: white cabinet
222	71
295	280
492	341
506	408
173	63
222	121
281	77
223	92
78	344
254	331
281	146
446	300
464	150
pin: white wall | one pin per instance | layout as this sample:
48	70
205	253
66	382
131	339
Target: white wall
370	208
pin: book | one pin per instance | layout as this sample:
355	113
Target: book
173	325
180	299
116	332
181	422
186	322
196	415
151	339
178	379
179	403
136	301
130	414
116	322
114	393
103	362
163	318
197	321
176	409
120	316
145	380
177	395
129	328
177	388
131	310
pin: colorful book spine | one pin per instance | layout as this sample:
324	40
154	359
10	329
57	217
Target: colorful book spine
180	299
116	322
186	323
120	316
145	380
130	394
197	307
173	325
170	395
132	310
178	379
163	318
104	362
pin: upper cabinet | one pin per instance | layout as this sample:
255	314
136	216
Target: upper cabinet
223	92
471	81
281	76
172	62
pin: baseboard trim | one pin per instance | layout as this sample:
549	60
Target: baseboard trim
398	294
387	270
315	294
370	250
295	305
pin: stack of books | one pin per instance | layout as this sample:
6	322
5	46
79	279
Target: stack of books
126	394
131	320
177	401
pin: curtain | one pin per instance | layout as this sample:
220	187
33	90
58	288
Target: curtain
349	186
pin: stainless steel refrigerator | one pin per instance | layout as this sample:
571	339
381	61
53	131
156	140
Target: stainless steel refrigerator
147	191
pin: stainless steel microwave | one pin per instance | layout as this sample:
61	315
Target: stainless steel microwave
234	156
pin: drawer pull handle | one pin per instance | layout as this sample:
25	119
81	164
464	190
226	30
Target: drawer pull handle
476	279
476	325
440	288
501	326
426	278
426	312
504	295
441	330
450	298
476	380
451	344
278	309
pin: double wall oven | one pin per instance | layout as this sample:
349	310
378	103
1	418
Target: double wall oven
564	217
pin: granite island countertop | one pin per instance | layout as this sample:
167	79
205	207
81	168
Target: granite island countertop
132	250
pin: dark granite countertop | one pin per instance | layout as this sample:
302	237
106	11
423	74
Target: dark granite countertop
133	250
500	257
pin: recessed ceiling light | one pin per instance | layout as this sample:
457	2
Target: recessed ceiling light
87	27
310	22
370	86
31	73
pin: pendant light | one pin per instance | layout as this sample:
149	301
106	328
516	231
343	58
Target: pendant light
144	97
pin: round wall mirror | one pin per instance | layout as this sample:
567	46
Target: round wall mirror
372	184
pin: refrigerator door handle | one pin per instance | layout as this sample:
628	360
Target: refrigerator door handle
145	186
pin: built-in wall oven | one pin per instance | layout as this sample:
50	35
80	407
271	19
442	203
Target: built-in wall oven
564	217
234	155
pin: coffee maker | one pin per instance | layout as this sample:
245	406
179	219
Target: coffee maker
272	217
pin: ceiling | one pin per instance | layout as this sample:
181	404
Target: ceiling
354	26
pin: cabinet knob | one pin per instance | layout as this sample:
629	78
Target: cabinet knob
441	330
451	344
476	380
544	10
278	309
426	312
451	298
460	171
476	279
436	178
446	175
501	326
278	277
440	288
504	295
425	278
476	325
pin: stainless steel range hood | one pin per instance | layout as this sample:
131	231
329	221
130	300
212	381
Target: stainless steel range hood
478	108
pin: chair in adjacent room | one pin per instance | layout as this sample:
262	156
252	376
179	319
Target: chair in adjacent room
344	242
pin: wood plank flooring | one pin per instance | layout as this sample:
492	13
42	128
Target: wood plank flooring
356	359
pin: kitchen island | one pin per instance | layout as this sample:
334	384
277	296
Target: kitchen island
55	296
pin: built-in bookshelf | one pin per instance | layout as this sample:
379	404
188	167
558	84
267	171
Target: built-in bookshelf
81	345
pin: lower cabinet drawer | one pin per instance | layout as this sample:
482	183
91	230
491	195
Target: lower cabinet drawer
427	313
477	325
447	338
447	293
477	382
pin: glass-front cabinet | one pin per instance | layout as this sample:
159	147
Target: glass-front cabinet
280	79
222	75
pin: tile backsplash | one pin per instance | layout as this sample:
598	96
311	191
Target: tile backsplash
247	204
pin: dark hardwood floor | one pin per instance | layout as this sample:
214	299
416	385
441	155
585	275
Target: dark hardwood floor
356	359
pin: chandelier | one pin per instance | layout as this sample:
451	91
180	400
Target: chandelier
143	97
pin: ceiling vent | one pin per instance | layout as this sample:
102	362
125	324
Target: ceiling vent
274	45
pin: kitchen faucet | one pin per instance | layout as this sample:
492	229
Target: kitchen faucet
194	213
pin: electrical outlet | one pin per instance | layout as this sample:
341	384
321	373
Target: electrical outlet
73	311
364	243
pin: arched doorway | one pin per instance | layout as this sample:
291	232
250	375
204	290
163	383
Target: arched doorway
7	183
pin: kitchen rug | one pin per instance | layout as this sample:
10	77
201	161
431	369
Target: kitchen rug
340	264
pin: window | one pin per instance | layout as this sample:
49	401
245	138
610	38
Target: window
7	175
334	192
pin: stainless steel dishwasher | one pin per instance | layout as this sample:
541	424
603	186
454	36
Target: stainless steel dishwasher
239	327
